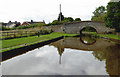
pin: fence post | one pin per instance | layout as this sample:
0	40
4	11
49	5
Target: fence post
14	34
21	33
26	33
7	34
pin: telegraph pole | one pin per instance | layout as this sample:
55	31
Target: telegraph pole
60	12
60	8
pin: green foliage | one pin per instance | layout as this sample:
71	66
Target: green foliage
70	19
99	14
45	31
112	18
60	17
47	24
100	18
65	20
37	25
77	19
99	11
55	22
113	36
22	27
4	28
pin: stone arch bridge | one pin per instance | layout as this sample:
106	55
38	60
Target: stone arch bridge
77	27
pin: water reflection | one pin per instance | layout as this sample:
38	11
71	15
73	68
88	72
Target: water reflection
103	50
76	57
60	50
87	39
111	55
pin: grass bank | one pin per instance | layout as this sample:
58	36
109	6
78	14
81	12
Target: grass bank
20	42
111	36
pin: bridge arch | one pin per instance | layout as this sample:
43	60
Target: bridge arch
88	27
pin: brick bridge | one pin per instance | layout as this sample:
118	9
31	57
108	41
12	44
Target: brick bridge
77	27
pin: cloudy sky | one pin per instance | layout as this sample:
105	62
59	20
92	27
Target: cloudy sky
48	10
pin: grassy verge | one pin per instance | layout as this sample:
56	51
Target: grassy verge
15	43
112	36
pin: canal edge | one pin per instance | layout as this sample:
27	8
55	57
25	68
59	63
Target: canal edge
17	51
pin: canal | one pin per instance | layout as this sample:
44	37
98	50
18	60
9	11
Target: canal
85	55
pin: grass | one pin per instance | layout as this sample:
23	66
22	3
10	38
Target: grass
15	43
112	36
19	42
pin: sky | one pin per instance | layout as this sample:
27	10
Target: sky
47	10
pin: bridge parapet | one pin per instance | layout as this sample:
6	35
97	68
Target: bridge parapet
77	27
81	22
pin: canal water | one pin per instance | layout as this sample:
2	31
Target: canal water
84	55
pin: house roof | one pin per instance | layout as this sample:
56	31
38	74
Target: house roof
4	24
26	22
10	23
33	22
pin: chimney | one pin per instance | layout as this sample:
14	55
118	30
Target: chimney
9	22
15	22
31	21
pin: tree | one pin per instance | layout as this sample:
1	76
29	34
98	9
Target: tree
60	17
69	19
112	18
55	22
99	14
77	19
99	11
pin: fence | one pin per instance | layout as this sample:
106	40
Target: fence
16	34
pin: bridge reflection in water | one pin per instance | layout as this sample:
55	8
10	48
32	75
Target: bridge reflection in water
102	50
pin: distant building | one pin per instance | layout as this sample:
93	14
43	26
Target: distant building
31	23
11	24
25	24
3	24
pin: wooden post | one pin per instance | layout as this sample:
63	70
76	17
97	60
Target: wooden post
14	34
7	34
26	33
21	33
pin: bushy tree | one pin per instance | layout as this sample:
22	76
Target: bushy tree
99	14
38	24
4	28
55	22
112	18
69	19
77	19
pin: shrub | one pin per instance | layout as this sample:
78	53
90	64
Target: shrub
4	28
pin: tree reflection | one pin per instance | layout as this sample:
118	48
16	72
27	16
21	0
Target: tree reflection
111	55
102	50
60	51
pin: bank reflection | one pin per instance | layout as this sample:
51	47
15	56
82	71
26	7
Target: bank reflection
102	50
